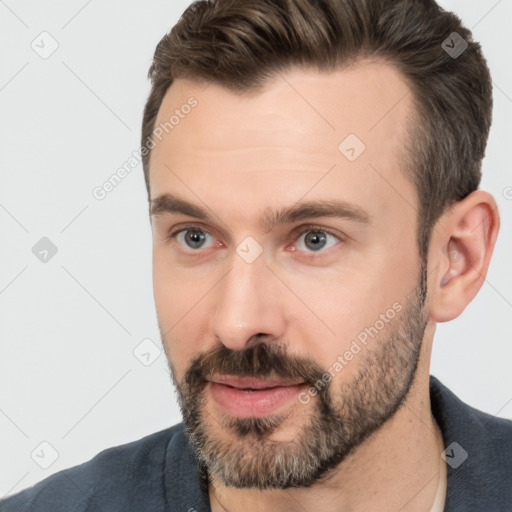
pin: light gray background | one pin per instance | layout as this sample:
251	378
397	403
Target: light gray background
68	327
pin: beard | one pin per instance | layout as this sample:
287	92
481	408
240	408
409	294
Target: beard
245	456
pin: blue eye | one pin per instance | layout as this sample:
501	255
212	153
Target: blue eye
313	239
316	240
193	238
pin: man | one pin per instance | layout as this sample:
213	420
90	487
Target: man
312	171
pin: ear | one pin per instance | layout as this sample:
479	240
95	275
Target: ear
460	251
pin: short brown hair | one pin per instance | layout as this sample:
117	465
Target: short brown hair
240	44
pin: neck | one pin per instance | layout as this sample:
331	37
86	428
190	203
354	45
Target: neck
396	468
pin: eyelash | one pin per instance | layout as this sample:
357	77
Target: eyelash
304	229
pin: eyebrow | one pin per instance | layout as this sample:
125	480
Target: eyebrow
169	204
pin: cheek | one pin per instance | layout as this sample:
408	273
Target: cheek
173	290
164	289
324	313
351	311
170	302
179	308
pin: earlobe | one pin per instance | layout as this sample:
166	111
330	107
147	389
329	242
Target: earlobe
462	246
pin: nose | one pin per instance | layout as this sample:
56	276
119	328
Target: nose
247	305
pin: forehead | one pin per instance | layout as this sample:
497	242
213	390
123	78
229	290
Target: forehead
281	140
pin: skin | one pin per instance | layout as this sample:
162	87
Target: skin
236	155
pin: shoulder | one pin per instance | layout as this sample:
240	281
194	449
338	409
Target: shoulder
478	453
464	421
125	472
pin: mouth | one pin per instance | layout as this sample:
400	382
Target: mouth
254	383
247	397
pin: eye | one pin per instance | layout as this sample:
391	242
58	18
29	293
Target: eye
193	238
316	240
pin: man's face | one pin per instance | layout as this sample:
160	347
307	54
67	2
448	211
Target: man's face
291	309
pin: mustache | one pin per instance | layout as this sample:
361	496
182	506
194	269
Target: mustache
258	360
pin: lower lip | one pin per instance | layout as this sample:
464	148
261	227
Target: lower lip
254	403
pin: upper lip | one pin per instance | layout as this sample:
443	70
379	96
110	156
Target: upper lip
251	382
